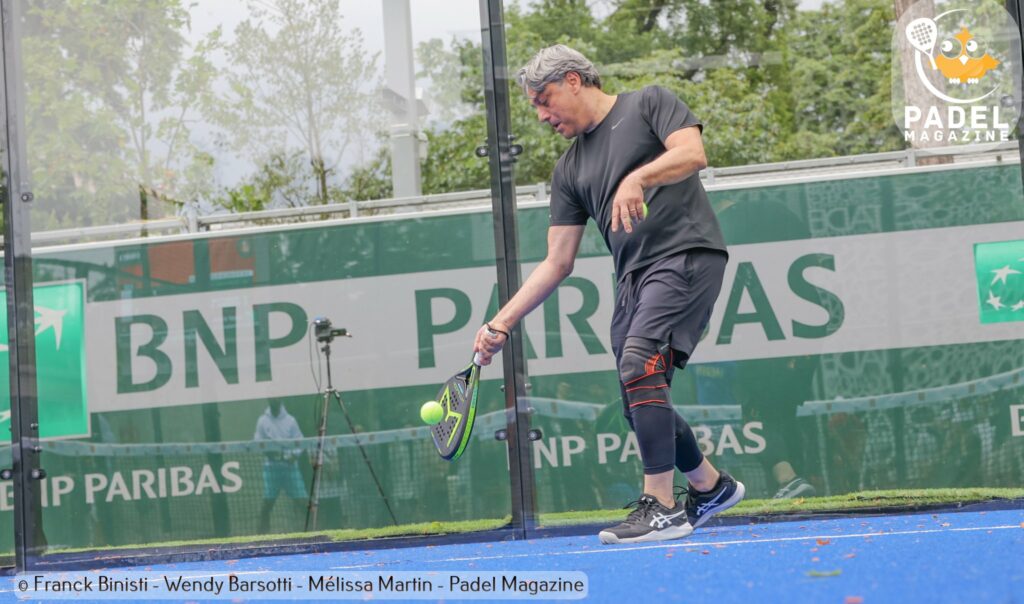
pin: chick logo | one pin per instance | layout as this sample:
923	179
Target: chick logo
953	73
960	62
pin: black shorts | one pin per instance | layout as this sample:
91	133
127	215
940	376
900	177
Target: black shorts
670	301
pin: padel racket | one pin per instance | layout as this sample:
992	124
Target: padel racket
458	399
922	34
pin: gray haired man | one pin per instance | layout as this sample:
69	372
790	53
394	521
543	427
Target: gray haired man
633	168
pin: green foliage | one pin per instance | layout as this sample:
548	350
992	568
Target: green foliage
111	87
299	79
114	88
769	82
281	181
370	181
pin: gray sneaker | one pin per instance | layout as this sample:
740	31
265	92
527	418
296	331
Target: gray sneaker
649	521
700	507
798	487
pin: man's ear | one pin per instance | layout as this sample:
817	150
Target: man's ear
574	81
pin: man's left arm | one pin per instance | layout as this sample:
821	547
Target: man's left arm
683	156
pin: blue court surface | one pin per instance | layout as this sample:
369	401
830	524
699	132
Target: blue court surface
942	557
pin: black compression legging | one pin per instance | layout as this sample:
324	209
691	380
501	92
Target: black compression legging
664	437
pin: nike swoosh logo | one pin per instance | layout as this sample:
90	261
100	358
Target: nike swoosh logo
617	123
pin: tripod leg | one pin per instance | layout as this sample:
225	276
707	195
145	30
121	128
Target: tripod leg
366	459
318	464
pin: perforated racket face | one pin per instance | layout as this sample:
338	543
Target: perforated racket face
458	399
922	34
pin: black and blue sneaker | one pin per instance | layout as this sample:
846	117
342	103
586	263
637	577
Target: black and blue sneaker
700	507
649	521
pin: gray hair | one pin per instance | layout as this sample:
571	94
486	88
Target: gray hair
552	64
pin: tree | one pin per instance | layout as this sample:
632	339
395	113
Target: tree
299	79
111	90
279	181
769	81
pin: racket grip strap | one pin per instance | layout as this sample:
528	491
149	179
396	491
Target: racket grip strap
494	331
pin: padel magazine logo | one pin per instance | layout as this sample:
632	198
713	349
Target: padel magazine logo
956	73
999	269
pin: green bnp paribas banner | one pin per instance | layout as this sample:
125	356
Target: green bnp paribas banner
868	335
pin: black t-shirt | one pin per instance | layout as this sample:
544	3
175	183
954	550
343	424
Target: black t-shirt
589	172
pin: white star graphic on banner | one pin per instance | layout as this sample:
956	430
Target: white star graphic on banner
1003	273
1017	306
994	301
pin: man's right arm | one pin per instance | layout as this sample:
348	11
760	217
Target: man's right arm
563	244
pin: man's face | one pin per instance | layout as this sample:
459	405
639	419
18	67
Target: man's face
275	408
557	106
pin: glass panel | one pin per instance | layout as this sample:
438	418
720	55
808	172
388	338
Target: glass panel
865	335
179	365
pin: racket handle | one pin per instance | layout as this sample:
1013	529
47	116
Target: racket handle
476	359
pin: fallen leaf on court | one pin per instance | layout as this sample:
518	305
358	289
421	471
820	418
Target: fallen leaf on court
1022	525
945	524
824	573
719	546
848	556
824	541
853	600
705	552
814	549
815	559
668	555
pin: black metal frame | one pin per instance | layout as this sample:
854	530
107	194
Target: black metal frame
1016	9
28	533
500	154
30	541
28	530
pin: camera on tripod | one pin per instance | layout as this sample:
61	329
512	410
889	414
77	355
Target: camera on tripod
324	333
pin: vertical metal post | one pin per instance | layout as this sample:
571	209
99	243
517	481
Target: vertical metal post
506	244
28	536
400	96
1016	9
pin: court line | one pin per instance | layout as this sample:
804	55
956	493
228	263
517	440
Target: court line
611	549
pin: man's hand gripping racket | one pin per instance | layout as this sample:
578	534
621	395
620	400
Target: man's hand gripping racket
458	397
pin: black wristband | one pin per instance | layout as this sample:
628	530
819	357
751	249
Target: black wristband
504	333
